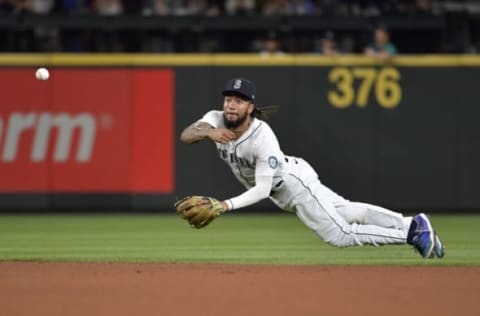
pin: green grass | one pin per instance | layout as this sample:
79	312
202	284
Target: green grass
277	239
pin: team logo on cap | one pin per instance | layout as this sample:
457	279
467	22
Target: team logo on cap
237	84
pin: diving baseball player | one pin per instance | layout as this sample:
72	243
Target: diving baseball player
251	149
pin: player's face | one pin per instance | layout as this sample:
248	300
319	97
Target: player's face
236	111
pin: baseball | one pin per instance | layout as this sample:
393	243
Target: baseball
42	74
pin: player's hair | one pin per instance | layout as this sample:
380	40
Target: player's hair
264	112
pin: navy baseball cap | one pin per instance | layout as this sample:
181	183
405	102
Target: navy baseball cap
240	86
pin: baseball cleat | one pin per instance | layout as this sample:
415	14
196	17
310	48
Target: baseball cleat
421	235
438	248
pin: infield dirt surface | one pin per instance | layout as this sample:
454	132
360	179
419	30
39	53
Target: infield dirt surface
215	289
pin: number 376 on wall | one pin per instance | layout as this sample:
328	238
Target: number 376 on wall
354	86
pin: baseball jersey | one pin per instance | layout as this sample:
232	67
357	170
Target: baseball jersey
257	153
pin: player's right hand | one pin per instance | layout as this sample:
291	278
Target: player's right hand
221	135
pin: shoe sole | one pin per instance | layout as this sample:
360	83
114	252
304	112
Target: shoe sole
441	253
430	253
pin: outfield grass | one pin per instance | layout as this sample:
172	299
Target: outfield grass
278	239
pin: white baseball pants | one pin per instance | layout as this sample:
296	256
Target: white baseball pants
336	220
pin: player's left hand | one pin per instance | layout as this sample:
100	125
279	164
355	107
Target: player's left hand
221	135
199	211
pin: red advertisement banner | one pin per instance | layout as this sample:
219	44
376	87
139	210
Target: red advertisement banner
87	130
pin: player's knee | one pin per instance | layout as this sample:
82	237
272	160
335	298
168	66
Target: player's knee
337	238
340	242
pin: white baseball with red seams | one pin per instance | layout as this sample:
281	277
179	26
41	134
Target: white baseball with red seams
296	188
42	74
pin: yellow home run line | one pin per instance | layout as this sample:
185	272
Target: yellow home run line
110	60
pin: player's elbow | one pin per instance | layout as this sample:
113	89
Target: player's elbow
263	192
263	187
186	138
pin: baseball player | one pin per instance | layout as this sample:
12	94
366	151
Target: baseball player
249	146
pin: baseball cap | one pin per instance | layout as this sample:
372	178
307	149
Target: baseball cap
240	86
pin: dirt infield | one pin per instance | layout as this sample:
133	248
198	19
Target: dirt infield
248	290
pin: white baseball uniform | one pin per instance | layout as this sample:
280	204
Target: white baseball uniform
291	183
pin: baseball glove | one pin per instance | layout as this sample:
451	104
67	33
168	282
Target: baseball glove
199	211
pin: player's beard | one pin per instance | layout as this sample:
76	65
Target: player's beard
236	123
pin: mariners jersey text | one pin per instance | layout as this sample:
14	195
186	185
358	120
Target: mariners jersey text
232	158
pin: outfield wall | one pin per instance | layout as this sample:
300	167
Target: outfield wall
102	133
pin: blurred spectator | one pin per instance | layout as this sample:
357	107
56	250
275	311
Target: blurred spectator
158	7
8	6
275	7
240	7
381	48
158	41
108	7
106	39
271	46
41	38
328	45
366	8
393	7
332	7
421	7
38	6
200	7
73	40
302	7
73	6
